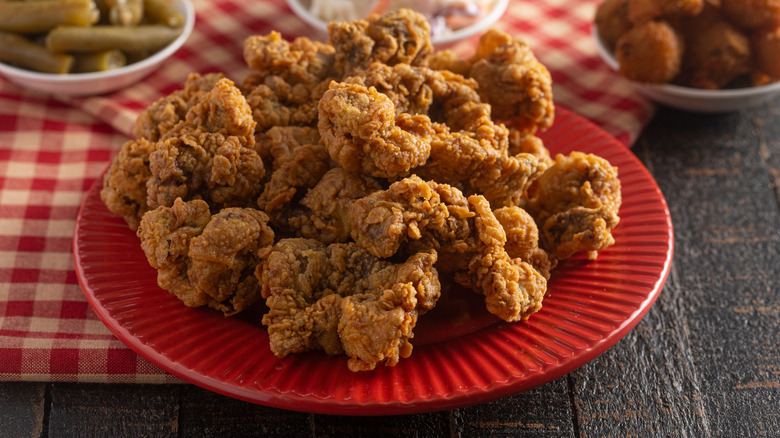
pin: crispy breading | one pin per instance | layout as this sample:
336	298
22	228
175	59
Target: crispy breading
397	37
301	61
323	213
124	184
414	215
208	153
164	114
522	239
276	102
511	79
290	78
205	259
341	299
297	169
408	87
576	203
360	128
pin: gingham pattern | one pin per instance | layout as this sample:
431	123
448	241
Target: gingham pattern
52	149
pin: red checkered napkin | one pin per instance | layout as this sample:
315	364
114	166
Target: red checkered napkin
52	149
49	155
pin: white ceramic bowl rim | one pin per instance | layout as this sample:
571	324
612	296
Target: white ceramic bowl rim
499	7
609	59
165	52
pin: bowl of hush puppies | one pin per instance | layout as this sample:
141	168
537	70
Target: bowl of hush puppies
695	55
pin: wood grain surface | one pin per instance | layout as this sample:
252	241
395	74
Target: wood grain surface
705	361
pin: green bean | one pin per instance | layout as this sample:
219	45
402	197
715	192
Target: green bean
122	12
133	57
41	16
162	11
99	61
18	50
97	38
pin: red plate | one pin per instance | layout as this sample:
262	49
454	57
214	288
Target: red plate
462	355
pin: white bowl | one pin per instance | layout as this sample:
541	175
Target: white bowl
84	84
440	41
693	99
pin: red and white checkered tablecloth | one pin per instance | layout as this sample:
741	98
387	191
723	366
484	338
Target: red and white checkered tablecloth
52	148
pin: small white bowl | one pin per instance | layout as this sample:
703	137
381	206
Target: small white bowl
693	99
84	84
440	41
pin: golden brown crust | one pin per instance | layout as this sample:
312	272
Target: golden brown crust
752	14
414	215
124	184
516	85
513	289
576	202
766	49
209	155
360	128
642	11
716	54
205	259
365	132
510	78
612	21
398	37
323	213
522	239
341	299
301	61
163	115
650	52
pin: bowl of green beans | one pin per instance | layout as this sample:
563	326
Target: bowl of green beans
89	47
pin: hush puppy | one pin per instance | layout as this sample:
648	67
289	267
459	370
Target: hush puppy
650	52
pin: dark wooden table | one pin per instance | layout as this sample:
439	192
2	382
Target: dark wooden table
705	361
